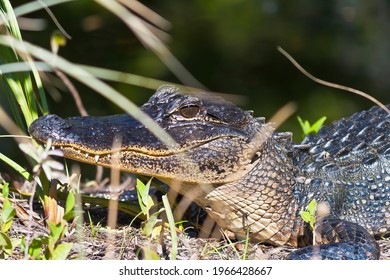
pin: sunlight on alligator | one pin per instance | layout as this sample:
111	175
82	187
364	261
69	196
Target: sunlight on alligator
226	184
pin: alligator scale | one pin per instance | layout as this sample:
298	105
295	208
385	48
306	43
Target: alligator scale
245	175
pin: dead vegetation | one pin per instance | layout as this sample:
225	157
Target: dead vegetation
93	240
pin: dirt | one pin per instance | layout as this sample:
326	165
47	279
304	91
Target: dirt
93	240
97	242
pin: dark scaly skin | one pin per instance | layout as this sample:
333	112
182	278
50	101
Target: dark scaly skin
334	234
247	177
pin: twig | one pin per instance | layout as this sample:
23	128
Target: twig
30	220
283	114
53	17
73	91
330	84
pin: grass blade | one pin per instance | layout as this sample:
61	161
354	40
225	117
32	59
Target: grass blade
21	84
172	227
16	166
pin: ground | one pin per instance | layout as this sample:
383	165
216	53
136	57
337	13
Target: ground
93	240
126	242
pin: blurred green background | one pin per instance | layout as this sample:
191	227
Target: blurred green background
230	47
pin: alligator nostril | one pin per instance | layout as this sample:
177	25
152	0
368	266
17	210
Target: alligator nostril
47	126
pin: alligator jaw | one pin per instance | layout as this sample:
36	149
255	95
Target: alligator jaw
160	163
75	136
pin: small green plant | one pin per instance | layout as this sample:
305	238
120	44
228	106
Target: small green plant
247	239
52	249
149	227
172	226
309	216
146	202
307	128
153	226
7	214
49	247
94	229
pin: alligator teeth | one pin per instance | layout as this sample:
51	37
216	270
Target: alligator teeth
96	158
86	155
78	152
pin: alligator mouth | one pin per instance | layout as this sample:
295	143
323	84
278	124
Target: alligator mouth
96	155
120	141
103	136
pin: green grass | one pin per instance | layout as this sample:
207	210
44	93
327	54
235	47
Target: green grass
23	90
308	128
8	212
19	76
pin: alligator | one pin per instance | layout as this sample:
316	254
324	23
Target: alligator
249	178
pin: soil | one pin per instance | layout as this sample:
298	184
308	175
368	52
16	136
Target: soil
96	242
93	240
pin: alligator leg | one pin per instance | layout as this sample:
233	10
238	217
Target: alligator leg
339	240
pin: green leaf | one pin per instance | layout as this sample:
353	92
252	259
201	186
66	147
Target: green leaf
71	215
306	216
7	214
70	201
62	251
55	231
156	231
6	218
5	242
35	248
7	203
148	225
145	193
309	216
23	243
318	124
16	166
307	128
5	190
144	199
312	207
149	254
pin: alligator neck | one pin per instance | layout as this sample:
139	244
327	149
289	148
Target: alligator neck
271	215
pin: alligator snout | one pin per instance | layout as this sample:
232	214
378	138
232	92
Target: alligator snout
49	126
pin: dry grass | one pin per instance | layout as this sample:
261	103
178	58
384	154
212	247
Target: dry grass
125	242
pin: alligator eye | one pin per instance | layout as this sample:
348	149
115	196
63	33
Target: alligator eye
189	111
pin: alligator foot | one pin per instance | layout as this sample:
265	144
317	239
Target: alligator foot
340	240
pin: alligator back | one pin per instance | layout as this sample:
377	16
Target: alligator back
348	165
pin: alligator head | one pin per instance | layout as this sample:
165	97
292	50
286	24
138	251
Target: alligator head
216	142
